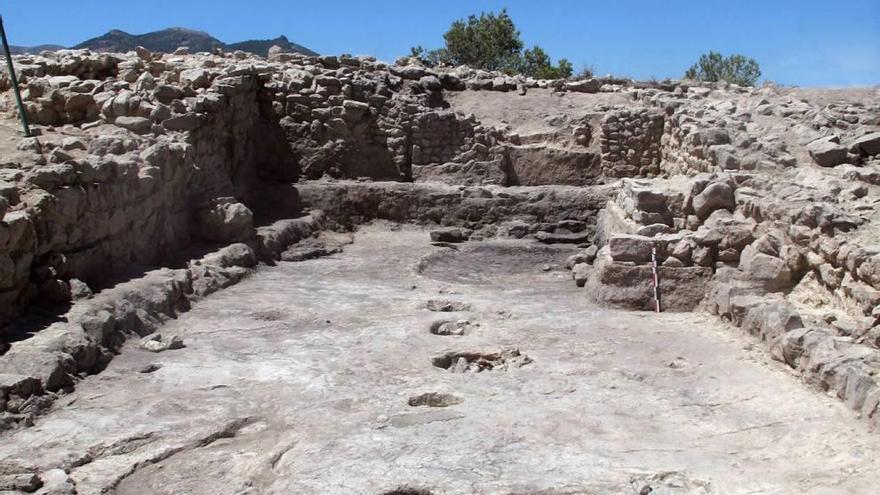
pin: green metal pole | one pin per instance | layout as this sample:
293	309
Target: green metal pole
21	112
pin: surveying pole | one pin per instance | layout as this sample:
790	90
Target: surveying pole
21	112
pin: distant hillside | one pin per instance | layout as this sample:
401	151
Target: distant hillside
21	50
261	47
168	40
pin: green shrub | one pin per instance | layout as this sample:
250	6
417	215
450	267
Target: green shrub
536	63
736	69
492	42
488	42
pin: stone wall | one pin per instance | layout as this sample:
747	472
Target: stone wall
437	137
360	120
113	200
527	209
630	140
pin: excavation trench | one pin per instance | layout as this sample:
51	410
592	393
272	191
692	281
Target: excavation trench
345	391
237	343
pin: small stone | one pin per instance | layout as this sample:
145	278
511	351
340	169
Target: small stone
20	482
72	143
137	125
186	122
157	343
453	235
79	289
580	273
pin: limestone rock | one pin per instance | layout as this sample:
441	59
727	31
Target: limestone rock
430	83
771	272
274	51
827	152
717	195
581	273
868	144
20	482
635	248
584	86
138	125
451	234
158	343
143	53
225	220
653	229
166	93
186	122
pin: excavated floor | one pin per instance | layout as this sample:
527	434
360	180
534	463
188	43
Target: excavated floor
317	378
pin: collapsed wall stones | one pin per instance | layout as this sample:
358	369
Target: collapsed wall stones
150	160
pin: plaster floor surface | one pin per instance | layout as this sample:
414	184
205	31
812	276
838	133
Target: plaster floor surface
298	380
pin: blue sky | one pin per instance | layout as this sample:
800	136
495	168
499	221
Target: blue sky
805	42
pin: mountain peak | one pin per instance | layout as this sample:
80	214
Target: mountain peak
169	39
182	30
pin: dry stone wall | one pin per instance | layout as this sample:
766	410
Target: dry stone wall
513	211
630	139
87	206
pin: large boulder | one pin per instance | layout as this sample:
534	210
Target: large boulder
868	144
584	86
715	196
225	220
723	232
634	248
765	316
725	157
644	203
413	72
772	273
430	83
197	78
639	195
827	152
165	93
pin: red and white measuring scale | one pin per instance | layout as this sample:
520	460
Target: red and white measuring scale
656	279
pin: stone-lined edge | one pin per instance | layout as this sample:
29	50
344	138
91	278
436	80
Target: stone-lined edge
827	362
57	357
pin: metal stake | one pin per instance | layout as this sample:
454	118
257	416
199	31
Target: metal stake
21	112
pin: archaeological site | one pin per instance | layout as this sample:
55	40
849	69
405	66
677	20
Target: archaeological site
226	273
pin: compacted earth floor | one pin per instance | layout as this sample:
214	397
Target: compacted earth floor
346	375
